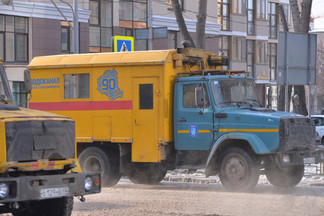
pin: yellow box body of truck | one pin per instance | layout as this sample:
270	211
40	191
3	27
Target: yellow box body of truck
115	98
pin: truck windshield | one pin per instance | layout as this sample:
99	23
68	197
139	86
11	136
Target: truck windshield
5	93
235	92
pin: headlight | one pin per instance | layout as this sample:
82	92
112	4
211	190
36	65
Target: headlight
4	190
88	183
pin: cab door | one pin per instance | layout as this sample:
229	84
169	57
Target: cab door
193	125
145	120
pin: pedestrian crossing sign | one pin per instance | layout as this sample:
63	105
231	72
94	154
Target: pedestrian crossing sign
123	43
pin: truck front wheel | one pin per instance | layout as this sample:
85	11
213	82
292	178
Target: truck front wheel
239	171
285	177
51	207
95	159
147	173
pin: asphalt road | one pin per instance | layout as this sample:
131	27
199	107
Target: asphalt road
176	198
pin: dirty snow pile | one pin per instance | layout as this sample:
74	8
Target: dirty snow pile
314	174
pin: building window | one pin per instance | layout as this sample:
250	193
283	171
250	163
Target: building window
19	94
138	44
76	86
100	28
174	40
250	57
250	17
170	6
238	6
224	48
261	52
273	20
262	9
224	14
133	10
238	49
13	38
272	56
65	38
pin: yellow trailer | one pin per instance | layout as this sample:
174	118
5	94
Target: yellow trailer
122	103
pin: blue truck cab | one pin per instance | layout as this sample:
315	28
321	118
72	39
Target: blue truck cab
219	124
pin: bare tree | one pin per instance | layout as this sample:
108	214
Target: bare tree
201	23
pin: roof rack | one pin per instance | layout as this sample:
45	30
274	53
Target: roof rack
213	72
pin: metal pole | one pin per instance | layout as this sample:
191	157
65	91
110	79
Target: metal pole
286	84
149	25
76	27
309	74
133	18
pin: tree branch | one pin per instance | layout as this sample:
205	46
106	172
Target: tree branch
201	24
181	23
295	14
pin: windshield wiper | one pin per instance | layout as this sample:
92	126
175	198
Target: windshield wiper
237	103
258	102
230	102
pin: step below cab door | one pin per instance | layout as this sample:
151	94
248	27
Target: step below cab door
193	126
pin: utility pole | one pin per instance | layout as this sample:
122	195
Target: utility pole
76	27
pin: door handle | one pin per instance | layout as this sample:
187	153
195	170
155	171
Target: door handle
182	120
220	115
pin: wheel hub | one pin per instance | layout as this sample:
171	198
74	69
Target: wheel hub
235	170
92	164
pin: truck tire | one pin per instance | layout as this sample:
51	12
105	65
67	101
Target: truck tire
95	159
284	177
239	171
51	207
147	173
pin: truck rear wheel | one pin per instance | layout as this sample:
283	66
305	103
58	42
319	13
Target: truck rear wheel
286	177
95	159
239	172
147	173
51	207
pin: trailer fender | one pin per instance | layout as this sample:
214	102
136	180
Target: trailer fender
254	141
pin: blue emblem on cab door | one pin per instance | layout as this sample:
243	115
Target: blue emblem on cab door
108	85
193	130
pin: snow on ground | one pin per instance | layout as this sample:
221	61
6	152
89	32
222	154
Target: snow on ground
313	176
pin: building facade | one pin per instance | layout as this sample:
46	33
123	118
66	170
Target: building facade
245	30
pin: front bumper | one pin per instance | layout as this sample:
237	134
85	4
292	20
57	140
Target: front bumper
301	157
26	188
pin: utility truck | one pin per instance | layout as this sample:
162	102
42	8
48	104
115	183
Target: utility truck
139	114
37	155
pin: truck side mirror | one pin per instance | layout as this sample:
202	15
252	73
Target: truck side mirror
27	81
199	97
